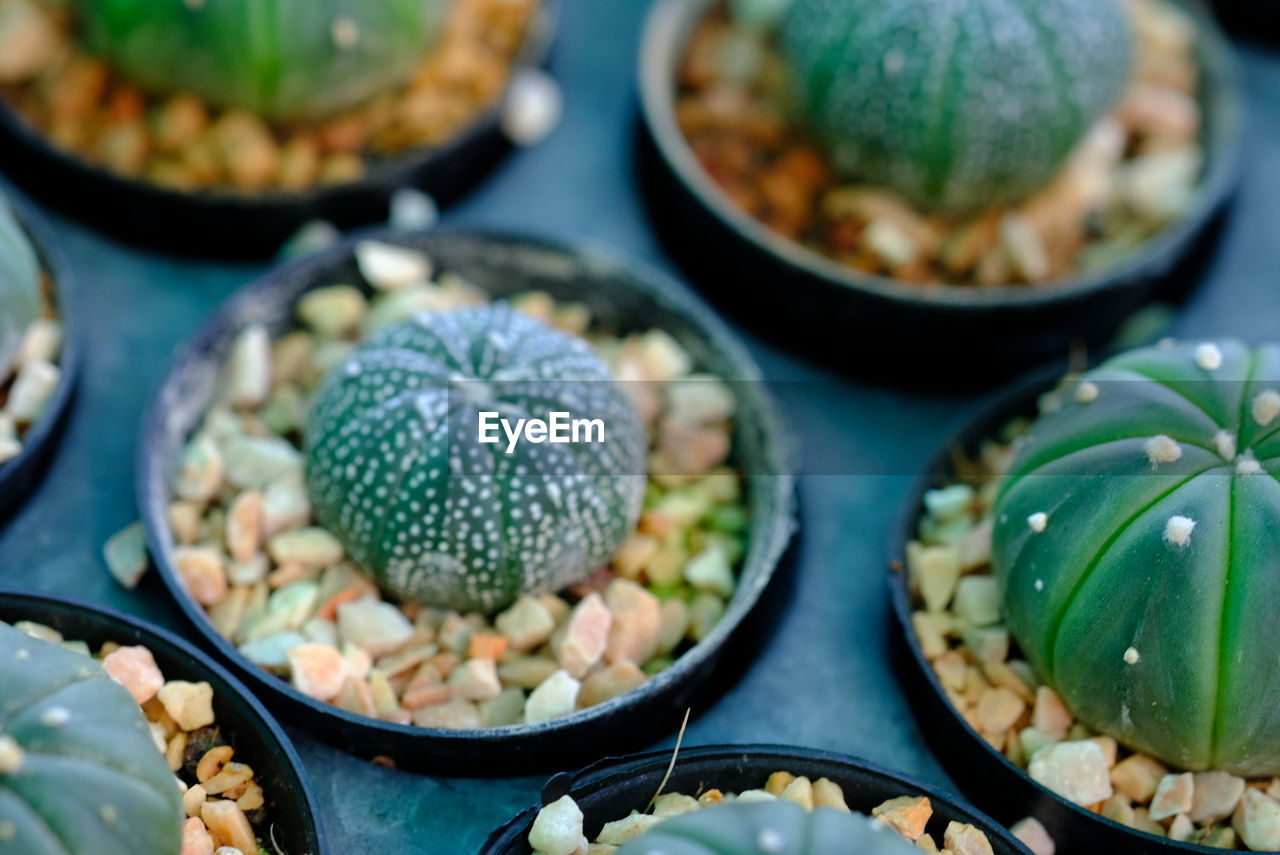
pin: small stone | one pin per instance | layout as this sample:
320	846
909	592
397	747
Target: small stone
556	696
998	710
669	805
317	670
1257	821
1137	777
188	704
1177	531
1038	522
1208	356
413	210
673	624
1050	715
244	526
633	635
42	342
934	572
628	828
1173	796
1119	809
453	714
475	680
557	829
389	267
312	547
1265	407
253	462
333	311
964	839
202	571
949	503
31	390
1181	828
125	553
705	613
977	600
1214	796
248	367
582	641
29	40
532	107
906	814
373	625
200	472
1034	836
272	651
135	669
1077	771
1162	449
610	682
284	506
710	570
195	838
527	672
799	791
527	623
987	643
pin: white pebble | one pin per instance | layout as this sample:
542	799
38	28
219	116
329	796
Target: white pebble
532	108
557	696
32	389
42	342
1131	656
1266	406
1177	530
1162	449
1208	356
1086	392
388	267
557	830
411	209
1077	771
1038	521
248	376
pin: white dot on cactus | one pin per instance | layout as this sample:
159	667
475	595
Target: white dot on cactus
1086	392
1177	530
1208	356
1265	407
1131	656
1162	449
532	107
1038	521
55	717
893	62
1039	584
770	840
1225	442
1248	465
345	32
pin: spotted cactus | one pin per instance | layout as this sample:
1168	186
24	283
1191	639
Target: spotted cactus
956	105
767	828
79	770
283	59
1136	555
395	467
19	287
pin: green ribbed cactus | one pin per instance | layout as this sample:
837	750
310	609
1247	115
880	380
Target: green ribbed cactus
957	105
1136	552
769	828
79	771
19	287
396	469
283	59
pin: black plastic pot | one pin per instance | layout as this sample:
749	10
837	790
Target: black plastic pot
20	475
874	325
983	773
225	224
244	722
619	293
614	787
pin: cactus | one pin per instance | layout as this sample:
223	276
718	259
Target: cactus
1135	552
957	105
79	770
768	828
19	287
284	59
396	470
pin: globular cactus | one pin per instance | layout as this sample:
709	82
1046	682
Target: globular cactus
284	59
396	470
19	287
79	769
1135	549
956	105
769	828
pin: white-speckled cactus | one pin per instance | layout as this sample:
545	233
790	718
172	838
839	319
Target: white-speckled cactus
396	470
957	105
19	287
280	58
79	769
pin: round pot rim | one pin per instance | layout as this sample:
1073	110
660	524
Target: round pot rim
387	173
774	538
662	29
35	444
150	631
1016	398
605	772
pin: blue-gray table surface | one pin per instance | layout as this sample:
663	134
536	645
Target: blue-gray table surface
826	678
